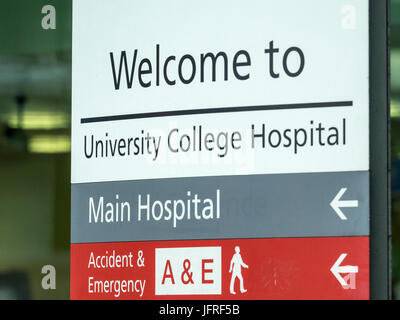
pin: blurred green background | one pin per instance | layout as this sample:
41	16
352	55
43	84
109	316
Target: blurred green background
35	116
35	120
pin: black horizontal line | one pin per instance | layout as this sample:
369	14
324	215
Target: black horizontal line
175	113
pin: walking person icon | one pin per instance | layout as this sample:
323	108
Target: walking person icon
236	266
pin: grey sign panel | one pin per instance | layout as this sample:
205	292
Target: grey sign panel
253	206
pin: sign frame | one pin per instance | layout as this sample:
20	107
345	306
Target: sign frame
379	120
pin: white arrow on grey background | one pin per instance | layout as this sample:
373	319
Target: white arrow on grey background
337	269
337	204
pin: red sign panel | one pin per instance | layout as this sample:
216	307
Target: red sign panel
288	268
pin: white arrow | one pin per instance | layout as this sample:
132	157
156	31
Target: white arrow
336	204
337	269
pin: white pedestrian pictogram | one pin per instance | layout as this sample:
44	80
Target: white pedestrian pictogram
236	266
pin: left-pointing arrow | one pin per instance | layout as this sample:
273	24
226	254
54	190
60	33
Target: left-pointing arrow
337	204
337	269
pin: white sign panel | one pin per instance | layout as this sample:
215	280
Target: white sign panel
188	270
186	88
